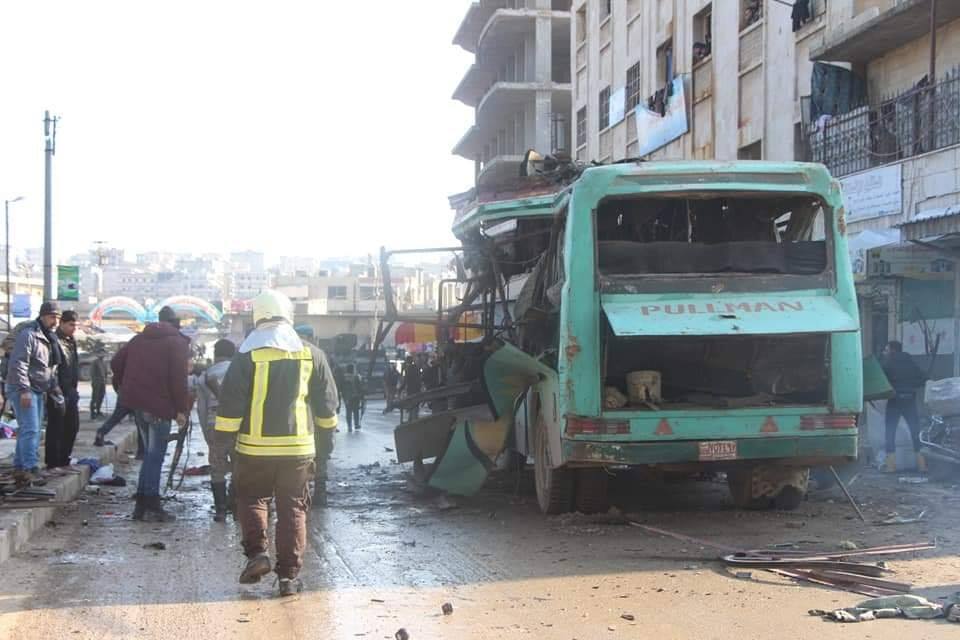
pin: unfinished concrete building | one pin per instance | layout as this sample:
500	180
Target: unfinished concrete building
743	65
519	83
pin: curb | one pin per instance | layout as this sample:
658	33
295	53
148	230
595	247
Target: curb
17	526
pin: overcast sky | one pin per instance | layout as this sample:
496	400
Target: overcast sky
294	127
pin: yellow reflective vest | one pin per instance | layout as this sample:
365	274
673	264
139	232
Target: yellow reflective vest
269	396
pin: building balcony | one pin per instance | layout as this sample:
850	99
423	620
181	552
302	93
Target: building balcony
474	85
507	28
502	102
468	33
906	21
915	122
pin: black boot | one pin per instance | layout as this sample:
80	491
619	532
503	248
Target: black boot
155	512
219	490
139	508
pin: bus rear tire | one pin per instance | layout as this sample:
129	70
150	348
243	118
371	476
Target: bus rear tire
554	485
591	495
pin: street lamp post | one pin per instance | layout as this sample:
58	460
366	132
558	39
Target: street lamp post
6	255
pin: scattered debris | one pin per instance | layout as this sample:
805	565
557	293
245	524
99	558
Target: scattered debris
402	634
913	480
903	606
202	470
848	545
388	449
444	503
447	609
846	492
157	546
628	616
412	543
744	575
895	518
378	600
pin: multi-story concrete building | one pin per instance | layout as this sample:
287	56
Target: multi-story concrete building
247	285
253	261
895	145
743	67
519	84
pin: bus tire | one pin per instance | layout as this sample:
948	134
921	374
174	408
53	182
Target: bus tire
591	495
554	485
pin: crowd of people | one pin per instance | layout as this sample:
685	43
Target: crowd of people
268	411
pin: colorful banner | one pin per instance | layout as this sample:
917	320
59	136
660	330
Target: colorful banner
68	282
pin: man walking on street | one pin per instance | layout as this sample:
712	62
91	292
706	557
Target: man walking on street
272	387
354	397
151	373
906	378
219	445
98	384
63	424
31	376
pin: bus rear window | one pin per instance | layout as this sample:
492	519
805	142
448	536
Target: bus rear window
712	235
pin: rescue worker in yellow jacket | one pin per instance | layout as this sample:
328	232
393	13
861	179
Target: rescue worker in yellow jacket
274	385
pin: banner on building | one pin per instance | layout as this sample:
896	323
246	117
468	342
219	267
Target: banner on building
655	130
68	283
874	193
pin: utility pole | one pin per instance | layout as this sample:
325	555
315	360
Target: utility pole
50	139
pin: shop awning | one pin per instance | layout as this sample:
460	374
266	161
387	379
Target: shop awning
932	223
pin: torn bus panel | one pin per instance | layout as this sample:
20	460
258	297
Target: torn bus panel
466	442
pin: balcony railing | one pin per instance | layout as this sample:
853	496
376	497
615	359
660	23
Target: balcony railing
916	121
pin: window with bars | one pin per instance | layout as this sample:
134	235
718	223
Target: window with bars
633	87
581	127
605	108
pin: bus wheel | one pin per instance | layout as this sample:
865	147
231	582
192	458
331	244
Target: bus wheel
554	485
591	491
766	486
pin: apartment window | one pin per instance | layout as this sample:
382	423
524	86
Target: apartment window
336	293
751	151
581	127
751	11
702	34
605	108
665	63
582	25
606	7
633	87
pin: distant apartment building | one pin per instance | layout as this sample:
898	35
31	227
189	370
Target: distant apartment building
253	261
290	265
247	285
519	84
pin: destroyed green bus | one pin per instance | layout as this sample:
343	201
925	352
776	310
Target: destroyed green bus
682	316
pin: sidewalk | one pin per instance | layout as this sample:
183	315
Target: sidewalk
18	525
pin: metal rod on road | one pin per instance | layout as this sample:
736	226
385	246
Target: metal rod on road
843	487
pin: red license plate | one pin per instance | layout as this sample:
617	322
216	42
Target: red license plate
718	450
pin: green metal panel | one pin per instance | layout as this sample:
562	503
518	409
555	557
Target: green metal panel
729	314
533	207
875	383
826	448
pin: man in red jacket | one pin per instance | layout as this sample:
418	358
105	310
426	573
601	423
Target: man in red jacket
151	374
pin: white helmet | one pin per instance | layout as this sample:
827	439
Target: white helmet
272	305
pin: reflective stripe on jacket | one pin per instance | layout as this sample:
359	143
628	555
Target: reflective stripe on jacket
268	396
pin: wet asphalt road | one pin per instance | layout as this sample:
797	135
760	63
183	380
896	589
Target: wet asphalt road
384	556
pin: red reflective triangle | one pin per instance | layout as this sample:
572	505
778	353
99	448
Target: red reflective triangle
663	429
770	426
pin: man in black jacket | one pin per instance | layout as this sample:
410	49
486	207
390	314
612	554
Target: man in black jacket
906	378
64	422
